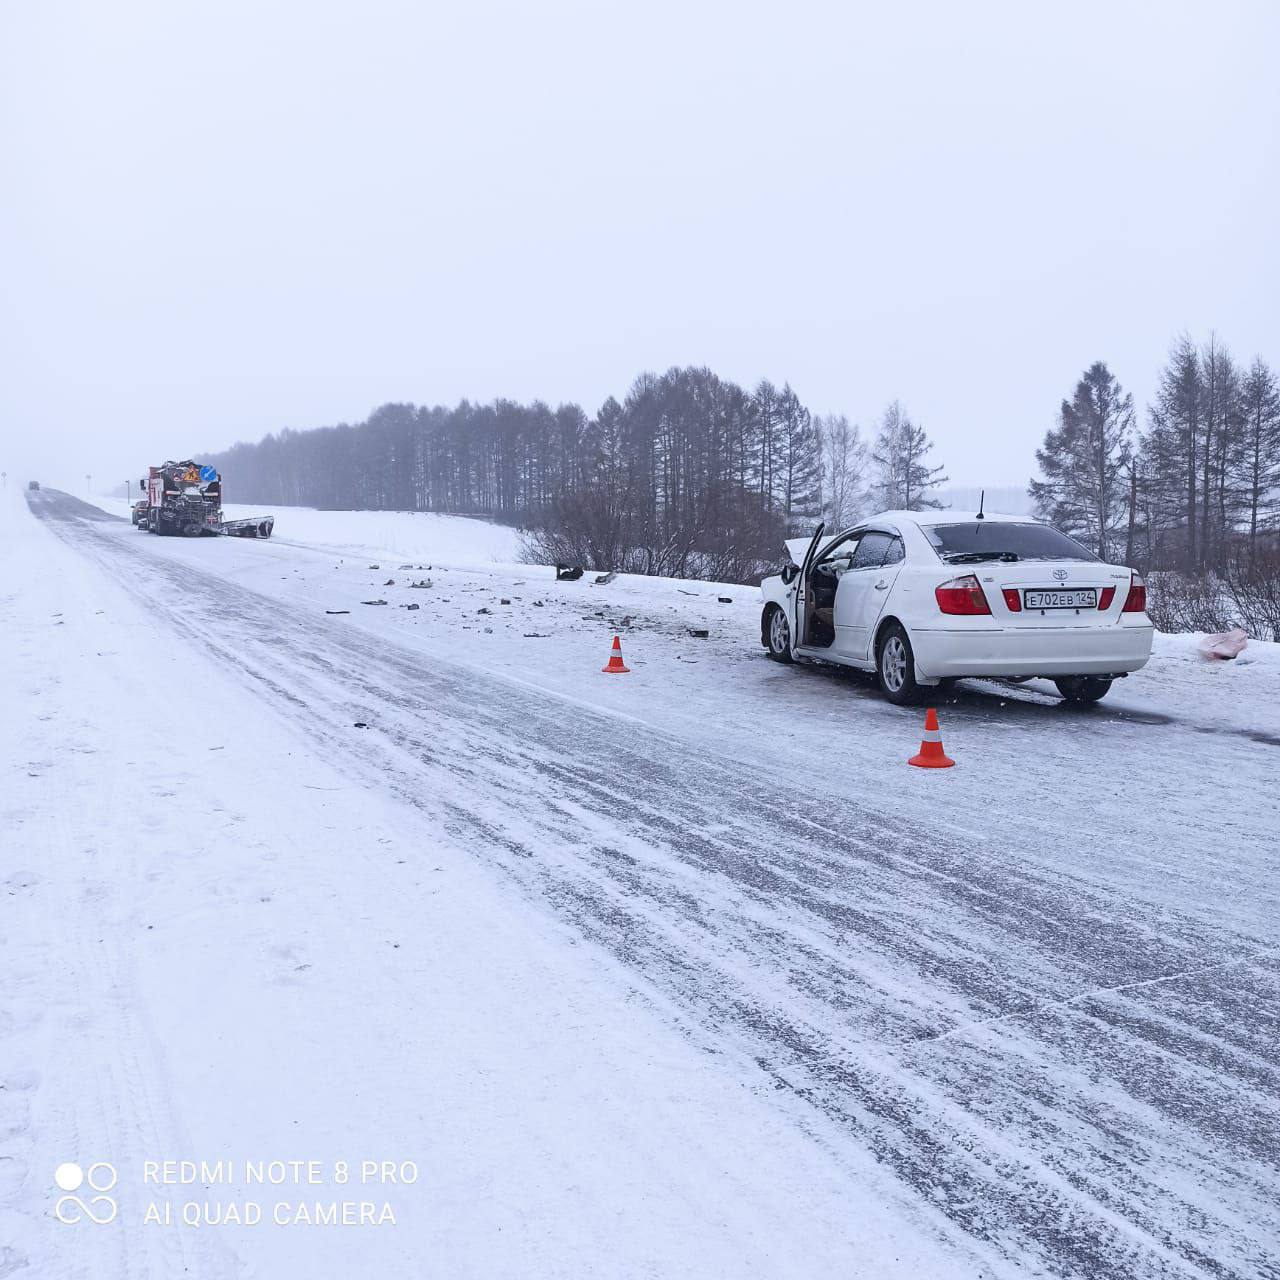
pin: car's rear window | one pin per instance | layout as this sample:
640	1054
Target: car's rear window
1026	541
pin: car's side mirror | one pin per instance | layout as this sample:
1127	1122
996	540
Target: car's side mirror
790	573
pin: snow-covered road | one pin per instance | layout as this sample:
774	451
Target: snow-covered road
726	989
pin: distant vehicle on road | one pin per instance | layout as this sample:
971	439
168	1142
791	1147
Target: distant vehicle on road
184	499
926	597
34	484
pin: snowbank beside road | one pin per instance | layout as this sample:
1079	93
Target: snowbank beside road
455	540
1188	646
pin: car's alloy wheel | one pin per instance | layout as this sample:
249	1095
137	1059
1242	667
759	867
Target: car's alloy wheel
896	667
779	635
893	664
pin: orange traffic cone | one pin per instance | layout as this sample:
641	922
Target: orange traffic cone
931	754
615	667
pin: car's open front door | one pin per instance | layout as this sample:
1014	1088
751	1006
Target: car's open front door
802	596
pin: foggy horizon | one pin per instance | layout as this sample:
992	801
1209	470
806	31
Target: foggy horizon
226	221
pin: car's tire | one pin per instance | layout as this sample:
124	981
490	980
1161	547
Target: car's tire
896	666
1083	689
777	634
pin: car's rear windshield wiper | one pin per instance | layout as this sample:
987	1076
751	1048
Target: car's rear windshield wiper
973	557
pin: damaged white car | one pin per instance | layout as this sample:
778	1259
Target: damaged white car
926	597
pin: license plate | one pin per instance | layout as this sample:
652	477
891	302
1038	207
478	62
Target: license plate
1075	598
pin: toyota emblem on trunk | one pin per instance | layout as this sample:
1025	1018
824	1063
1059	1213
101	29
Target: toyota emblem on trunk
1060	574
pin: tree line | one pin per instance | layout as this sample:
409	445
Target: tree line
1197	490
693	475
688	475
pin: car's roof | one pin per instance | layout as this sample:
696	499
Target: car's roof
796	547
927	519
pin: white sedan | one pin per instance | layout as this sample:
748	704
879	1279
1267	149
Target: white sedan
922	597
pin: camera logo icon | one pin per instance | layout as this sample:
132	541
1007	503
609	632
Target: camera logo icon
100	1207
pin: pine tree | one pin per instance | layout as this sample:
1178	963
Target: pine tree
768	412
1219	451
800	471
1260	454
1084	463
903	480
1171	453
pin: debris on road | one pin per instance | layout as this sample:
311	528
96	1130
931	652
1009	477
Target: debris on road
1224	645
373	602
334	611
603	580
567	573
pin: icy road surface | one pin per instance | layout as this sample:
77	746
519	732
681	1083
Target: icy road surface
770	1003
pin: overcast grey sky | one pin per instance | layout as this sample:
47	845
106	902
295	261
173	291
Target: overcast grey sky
223	218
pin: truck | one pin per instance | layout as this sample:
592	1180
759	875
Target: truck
184	499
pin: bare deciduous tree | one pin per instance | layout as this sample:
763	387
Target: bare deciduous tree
845	482
903	480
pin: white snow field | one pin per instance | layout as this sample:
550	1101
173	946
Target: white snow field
460	540
677	973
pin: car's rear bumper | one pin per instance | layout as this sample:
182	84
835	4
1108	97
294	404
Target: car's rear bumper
1067	651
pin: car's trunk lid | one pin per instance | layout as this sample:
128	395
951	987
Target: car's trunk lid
1052	593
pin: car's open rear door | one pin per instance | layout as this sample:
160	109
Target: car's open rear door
802	595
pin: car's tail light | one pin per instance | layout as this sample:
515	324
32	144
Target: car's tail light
1012	600
962	595
1107	596
1136	600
